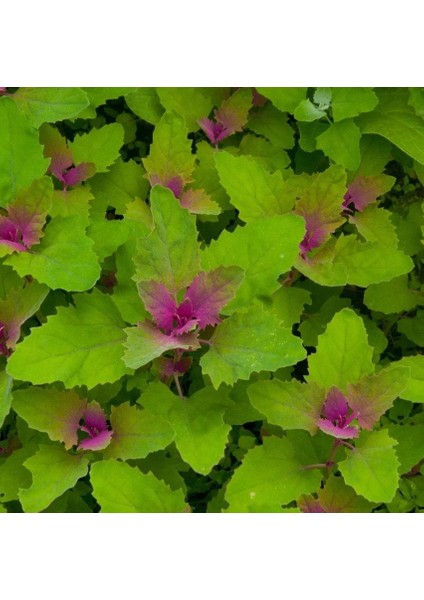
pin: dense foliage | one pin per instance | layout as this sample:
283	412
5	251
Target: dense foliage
211	300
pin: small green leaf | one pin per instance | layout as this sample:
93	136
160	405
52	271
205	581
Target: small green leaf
99	146
410	448
247	342
350	102
288	304
136	433
285	99
6	384
13	475
269	122
306	111
189	103
392	296
53	471
81	345
271	476
340	142
47	105
414	391
413	327
343	353
119	488
289	404
145	103
372	468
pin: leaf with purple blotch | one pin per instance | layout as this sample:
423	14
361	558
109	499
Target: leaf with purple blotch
198	202
336	417
229	118
94	424
365	190
335	497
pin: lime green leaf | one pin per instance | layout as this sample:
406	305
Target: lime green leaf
241	411
200	431
316	319
372	468
340	142
285	99
171	253
125	295
350	102
306	111
119	488
98	96
269	122
81	345
343	353
21	158
64	258
269	156
53	472
414	391
13	475
375	154
248	342
309	133
397	122
6	384
264	249
410	448
73	202
190	103
410	227
289	404
145	103
337	497
205	175
413	327
375	225
288	304
42	105
252	189
136	433
392	296
270	476
55	412
170	154
99	146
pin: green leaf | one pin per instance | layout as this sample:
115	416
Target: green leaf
414	391
71	203
413	327
99	146
343	353
64	258
170	154
21	157
350	102
42	105
119	488
340	142
99	95
171	253
289	404
6	384
81	345
125	295
306	111
53	471
13	475
392	296
285	99
337	497
375	225
271	476
52	411
269	122
200	431
205	175
372	468
145	103
316	319
269	156
396	121
252	189
190	103
288	304
264	249
136	433
410	448
248	342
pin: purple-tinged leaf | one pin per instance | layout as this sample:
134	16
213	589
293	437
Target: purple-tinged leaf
198	202
229	118
95	425
365	190
336	416
159	302
335	497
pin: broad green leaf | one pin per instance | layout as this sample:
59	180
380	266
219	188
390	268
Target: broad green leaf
343	353
81	345
21	156
205	175
99	146
98	96
375	225
247	342
337	497
190	103
171	253
241	411
410	228
6	384
309	133
13	475
167	467
410	448
372	468
414	391
53	471
252	189
340	142
289	404
269	122
306	111
170	154
145	103
125	294
285	99
413	327
47	105
271	476
269	156
396	121
119	488
350	102
200	431
322	97
121	184
55	412
63	259
70	203
264	249
288	304
317	318
392	296
375	394
375	154
136	433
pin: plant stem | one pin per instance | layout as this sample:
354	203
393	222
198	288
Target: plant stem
178	386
